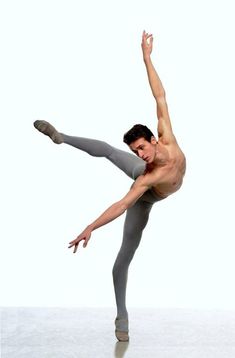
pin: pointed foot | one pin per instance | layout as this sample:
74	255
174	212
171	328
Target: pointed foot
47	129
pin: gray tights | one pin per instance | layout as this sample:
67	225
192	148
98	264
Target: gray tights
136	216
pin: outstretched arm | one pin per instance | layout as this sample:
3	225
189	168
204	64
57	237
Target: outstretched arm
164	124
115	210
154	80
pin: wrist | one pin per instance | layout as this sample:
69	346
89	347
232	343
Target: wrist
91	227
147	59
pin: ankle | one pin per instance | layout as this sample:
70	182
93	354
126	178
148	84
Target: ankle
122	324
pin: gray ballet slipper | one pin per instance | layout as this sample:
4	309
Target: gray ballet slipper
47	129
121	330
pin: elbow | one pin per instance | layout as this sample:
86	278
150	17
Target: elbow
123	207
160	96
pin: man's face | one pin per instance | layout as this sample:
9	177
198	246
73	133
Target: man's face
144	149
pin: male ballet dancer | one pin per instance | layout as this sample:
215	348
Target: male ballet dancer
157	168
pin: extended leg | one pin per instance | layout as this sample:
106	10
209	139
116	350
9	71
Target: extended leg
127	162
135	222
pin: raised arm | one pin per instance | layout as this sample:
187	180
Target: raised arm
164	123
154	80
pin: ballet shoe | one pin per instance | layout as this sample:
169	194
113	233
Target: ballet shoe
122	336
121	330
47	129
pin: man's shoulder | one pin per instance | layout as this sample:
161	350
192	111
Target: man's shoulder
153	176
146	179
168	139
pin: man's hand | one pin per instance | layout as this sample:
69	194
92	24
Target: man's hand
146	45
85	235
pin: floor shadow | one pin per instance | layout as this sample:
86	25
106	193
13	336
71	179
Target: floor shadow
120	349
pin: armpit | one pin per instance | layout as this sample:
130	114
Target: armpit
165	130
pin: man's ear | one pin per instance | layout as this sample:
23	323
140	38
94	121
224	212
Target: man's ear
153	140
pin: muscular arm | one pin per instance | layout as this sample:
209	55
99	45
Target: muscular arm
141	185
154	80
122	205
164	124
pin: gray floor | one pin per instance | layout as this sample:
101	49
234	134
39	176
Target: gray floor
85	333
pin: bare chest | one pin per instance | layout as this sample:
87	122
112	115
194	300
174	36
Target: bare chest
170	170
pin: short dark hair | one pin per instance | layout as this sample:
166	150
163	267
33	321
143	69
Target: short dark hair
136	132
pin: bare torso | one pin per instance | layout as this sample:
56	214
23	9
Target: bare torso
170	165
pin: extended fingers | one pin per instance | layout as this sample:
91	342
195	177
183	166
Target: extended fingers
145	38
146	35
85	243
74	243
75	248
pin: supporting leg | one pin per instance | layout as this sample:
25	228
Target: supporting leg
135	222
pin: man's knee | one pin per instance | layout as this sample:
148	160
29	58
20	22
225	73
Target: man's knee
138	170
123	260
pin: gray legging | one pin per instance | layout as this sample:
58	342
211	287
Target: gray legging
136	216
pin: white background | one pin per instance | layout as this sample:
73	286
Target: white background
79	65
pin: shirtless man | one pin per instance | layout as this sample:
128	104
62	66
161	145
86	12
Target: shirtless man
158	168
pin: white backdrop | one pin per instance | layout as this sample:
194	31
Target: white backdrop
79	65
